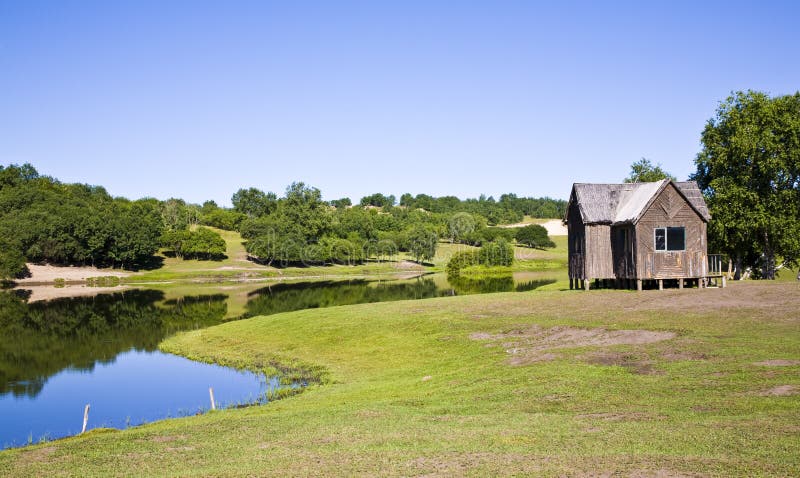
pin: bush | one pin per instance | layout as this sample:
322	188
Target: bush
534	235
200	244
497	253
460	260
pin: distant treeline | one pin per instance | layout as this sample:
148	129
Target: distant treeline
44	220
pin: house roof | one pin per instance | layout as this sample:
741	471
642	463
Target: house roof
625	203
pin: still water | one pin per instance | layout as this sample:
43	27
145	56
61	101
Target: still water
57	356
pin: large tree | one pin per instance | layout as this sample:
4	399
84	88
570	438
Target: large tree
644	171
749	171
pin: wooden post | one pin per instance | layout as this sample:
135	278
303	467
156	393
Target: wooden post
660	284
723	282
680	283
211	394
85	418
571	283
639	284
587	284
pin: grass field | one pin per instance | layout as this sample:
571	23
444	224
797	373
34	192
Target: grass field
691	383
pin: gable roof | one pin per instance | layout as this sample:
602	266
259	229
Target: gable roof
625	203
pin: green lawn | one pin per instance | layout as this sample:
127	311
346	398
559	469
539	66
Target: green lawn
502	384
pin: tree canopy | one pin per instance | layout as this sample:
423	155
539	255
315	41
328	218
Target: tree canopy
749	171
644	171
534	235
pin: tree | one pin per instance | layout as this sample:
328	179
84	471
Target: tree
378	200
254	202
534	235
749	171
460	225
12	261
422	244
341	203
643	171
496	253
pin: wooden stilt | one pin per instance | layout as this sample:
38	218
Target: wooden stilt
639	284
680	283
587	284
571	283
660	284
724	282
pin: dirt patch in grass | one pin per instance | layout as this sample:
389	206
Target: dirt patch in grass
618	416
679	356
36	456
780	391
167	438
535	344
630	361
778	363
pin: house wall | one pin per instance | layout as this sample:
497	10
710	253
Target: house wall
599	258
576	241
669	209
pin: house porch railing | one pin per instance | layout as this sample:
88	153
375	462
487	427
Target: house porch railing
715	265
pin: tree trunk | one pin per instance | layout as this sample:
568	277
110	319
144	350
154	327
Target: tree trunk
768	268
737	273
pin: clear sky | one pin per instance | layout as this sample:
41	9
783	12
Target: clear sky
196	99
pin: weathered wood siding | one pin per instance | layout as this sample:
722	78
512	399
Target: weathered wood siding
576	241
599	259
669	209
623	243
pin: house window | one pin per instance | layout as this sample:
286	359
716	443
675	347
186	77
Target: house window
670	238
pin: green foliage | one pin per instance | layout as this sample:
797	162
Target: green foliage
226	219
341	203
460	260
202	243
643	171
378	200
534	235
460	225
508	209
484	235
12	261
422	244
749	171
74	223
496	253
254	202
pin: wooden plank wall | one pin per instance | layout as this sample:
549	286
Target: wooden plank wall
671	210
599	258
576	241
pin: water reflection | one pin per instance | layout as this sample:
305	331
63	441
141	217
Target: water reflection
283	297
39	339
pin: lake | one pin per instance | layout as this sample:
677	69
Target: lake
57	356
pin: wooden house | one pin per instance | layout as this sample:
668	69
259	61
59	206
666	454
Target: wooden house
627	234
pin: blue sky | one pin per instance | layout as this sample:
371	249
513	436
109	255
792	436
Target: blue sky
197	99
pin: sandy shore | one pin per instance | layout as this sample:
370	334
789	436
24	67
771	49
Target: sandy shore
554	227
48	274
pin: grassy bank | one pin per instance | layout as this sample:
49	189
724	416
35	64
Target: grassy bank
705	382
